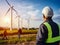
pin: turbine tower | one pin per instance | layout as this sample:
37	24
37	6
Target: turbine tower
28	21
18	16
10	9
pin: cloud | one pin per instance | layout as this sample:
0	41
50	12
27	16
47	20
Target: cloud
24	10
33	12
59	11
57	19
27	10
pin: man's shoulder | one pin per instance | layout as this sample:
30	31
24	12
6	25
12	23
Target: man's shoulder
42	24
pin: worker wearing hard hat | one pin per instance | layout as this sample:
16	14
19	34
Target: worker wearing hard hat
49	31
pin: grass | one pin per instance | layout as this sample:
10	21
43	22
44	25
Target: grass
16	32
29	36
16	39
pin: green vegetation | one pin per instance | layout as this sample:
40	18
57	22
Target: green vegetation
27	35
16	39
16	32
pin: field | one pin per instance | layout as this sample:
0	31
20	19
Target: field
14	32
26	36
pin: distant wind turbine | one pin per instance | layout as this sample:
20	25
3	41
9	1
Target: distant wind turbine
10	9
29	19
19	21
28	23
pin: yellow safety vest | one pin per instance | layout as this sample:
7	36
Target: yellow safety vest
50	39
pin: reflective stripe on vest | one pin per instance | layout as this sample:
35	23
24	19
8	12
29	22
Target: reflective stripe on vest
50	39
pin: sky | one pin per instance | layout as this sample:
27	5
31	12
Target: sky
28	10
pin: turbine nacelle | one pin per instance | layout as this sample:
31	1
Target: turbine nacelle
11	6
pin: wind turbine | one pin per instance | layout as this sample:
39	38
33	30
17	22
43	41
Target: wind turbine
10	9
19	23
28	21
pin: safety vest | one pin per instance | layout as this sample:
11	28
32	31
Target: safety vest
51	39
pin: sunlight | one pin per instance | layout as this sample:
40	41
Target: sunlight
6	20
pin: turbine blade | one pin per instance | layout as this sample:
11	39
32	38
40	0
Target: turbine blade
7	11
15	11
17	16
8	3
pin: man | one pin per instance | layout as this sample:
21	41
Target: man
5	34
48	33
19	32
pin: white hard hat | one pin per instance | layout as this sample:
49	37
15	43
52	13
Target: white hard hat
47	11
